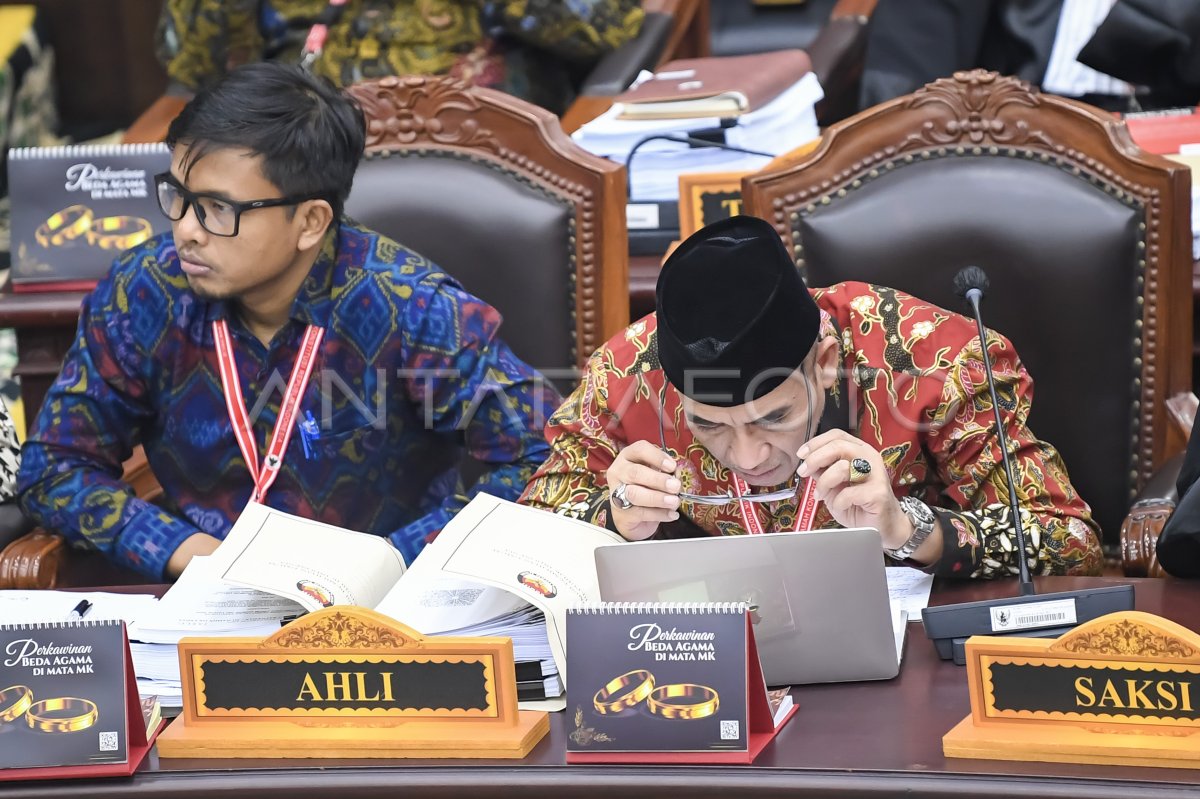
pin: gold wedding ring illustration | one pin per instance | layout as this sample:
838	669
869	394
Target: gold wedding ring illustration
614	696
675	701
119	232
115	233
683	701
14	701
63	714
69	223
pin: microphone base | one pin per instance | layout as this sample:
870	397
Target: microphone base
1037	616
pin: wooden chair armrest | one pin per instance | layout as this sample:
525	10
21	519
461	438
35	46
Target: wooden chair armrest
1139	537
33	561
1182	410
853	8
152	125
42	559
1145	521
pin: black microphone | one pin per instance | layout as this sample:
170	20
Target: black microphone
1028	614
970	284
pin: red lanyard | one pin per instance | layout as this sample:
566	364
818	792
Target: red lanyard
264	475
315	42
806	507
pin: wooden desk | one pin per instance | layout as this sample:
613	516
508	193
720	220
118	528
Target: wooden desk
851	740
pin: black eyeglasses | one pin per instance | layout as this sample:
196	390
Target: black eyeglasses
218	215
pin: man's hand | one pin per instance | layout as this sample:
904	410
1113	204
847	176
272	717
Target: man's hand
869	502
647	474
193	545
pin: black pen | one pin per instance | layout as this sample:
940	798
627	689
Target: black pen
80	610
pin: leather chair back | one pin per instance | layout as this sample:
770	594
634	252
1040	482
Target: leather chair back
489	188
1084	237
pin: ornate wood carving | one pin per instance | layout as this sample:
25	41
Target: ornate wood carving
973	108
1125	638
402	112
341	631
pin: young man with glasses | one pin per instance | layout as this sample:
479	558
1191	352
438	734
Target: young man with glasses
748	404
271	350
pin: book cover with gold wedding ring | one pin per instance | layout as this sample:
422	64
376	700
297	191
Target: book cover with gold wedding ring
75	209
665	682
68	701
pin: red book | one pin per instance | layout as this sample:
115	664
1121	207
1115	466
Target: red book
1164	134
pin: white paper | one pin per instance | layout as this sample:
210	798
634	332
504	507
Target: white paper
432	603
23	607
541	557
315	564
200	603
899	628
908	590
1032	615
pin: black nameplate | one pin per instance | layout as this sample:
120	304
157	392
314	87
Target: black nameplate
1146	693
717	205
301	685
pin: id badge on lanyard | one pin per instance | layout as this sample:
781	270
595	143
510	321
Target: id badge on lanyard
264	473
806	507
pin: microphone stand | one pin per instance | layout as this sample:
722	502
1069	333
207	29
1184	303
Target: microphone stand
1027	614
974	295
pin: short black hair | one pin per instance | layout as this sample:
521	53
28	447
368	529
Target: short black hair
308	132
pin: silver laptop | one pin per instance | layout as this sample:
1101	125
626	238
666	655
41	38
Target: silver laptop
819	600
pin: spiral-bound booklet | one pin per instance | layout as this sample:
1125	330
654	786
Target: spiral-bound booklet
69	705
655	683
74	209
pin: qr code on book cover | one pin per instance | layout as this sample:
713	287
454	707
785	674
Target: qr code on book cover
729	730
108	742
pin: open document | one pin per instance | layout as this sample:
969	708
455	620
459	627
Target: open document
496	557
315	564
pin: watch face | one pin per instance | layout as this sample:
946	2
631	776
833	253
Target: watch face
918	512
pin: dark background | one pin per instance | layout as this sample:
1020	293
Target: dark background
106	72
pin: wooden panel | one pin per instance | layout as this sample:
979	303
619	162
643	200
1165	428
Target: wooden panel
106	72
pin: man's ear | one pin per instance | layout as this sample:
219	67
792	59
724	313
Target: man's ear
828	358
314	218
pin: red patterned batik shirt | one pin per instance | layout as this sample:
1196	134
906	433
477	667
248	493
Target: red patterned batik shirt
913	387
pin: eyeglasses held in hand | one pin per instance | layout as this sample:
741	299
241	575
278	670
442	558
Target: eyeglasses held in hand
728	497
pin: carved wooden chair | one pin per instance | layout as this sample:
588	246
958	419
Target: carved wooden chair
1086	239
490	188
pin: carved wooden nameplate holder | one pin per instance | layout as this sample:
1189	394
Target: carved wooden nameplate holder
347	682
1123	689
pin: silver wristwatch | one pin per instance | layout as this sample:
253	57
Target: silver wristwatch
922	519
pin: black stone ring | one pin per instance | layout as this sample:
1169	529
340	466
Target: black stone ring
859	469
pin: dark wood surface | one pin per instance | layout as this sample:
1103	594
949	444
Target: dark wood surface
105	70
848	740
45	324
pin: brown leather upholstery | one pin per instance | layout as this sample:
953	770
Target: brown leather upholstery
490	189
504	240
1078	230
